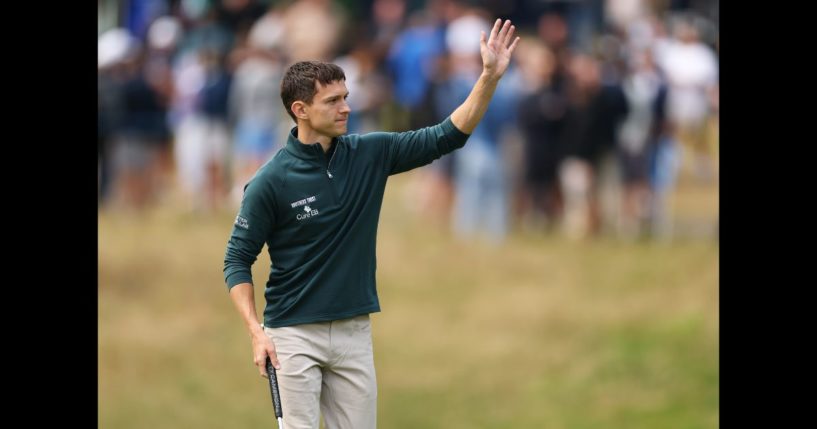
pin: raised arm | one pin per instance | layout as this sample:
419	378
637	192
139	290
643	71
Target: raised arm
496	55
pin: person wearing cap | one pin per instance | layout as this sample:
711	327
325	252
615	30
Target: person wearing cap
316	206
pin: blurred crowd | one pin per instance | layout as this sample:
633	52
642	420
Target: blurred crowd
606	105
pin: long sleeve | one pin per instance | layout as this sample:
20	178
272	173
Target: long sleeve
250	230
412	149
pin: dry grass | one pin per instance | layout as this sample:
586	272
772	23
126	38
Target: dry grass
540	332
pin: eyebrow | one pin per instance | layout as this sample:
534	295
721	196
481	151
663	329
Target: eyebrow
336	96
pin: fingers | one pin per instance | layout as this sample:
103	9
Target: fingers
261	362
494	30
513	46
274	358
508	35
503	33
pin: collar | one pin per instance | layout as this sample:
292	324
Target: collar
306	151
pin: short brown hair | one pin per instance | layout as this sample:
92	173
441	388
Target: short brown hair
300	81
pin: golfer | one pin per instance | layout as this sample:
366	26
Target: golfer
316	205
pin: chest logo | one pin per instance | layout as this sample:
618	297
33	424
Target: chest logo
308	211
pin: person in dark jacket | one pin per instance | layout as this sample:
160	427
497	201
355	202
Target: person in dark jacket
316	206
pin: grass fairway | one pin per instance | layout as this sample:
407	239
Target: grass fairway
538	333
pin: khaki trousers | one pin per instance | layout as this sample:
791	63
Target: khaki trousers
327	368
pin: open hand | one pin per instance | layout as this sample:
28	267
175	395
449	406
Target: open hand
496	51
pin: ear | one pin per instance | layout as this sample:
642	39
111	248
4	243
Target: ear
299	109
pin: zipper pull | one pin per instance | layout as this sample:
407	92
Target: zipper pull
329	174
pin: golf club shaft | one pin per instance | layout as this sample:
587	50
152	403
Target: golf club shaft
276	397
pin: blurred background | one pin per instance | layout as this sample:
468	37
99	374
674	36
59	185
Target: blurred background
559	271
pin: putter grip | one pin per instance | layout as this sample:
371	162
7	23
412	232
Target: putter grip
273	388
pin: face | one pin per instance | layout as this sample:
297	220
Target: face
329	113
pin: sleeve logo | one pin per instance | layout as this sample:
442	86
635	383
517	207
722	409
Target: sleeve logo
241	222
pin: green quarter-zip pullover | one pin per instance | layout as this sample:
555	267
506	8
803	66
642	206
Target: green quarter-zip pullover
318	213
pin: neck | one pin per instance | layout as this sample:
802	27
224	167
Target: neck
307	135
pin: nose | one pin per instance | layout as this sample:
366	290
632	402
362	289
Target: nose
344	107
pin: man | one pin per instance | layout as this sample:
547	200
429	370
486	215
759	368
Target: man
316	205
